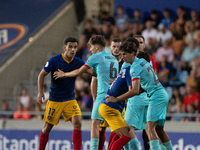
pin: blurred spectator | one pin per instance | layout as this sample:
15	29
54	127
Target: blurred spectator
167	20
151	47
180	18
154	17
5	108
178	40
149	32
106	19
104	5
88	32
192	33
164	68
195	19
25	99
116	33
121	20
176	97
163	34
165	50
86	101
137	20
190	52
191	110
105	31
191	97
179	114
21	113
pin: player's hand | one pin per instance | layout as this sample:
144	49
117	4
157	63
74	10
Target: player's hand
41	97
111	99
58	74
111	81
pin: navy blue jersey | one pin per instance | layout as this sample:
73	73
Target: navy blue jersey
119	87
62	89
121	61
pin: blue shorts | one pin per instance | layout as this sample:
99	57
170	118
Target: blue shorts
136	115
95	109
157	109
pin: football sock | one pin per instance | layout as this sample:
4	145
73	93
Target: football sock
162	147
134	144
115	137
154	145
77	139
101	140
168	145
43	140
94	143
127	146
118	144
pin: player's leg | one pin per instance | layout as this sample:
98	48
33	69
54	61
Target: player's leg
44	135
152	135
94	127
102	131
166	142
134	143
77	132
71	111
125	137
145	140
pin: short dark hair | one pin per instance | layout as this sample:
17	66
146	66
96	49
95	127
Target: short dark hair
144	55
98	39
70	39
116	39
128	47
132	39
139	36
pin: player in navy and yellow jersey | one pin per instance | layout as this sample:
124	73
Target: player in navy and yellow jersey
143	74
106	68
62	98
111	112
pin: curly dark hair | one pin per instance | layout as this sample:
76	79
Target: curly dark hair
128	47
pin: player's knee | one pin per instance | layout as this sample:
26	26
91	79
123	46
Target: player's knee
77	124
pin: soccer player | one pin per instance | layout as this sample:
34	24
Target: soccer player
106	68
143	74
114	47
62	99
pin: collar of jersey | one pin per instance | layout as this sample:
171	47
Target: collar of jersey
120	60
66	59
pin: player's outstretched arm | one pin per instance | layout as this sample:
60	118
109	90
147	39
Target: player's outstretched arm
132	92
41	76
77	72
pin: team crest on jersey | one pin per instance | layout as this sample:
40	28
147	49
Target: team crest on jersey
47	64
74	106
49	118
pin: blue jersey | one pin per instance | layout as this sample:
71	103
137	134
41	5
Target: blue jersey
106	68
62	89
121	61
119	87
141	69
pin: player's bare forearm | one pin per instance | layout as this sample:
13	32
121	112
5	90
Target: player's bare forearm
94	88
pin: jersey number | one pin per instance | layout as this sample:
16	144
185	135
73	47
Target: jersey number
51	111
113	71
156	81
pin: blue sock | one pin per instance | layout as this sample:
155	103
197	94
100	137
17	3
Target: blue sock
94	143
127	146
134	144
168	145
154	145
162	147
